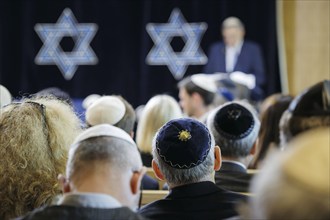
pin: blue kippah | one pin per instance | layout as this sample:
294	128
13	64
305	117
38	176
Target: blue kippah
183	143
234	121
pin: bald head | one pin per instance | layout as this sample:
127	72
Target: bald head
232	31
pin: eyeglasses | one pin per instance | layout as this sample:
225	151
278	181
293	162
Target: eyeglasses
42	109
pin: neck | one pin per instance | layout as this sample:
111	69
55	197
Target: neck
206	178
104	184
243	160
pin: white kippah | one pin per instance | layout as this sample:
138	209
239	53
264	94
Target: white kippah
89	100
5	96
205	82
104	130
105	110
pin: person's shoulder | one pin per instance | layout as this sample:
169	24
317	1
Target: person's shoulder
150	206
156	206
129	214
251	44
71	212
217	44
231	195
38	213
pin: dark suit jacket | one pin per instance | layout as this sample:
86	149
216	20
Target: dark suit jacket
202	200
250	61
70	212
233	177
146	159
149	183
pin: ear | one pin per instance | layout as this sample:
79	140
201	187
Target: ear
253	150
136	180
217	158
64	183
156	170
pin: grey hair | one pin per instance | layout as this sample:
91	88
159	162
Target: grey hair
119	154
232	147
176	176
232	22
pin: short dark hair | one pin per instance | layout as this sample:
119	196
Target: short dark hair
191	88
127	122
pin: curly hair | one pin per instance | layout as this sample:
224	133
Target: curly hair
35	135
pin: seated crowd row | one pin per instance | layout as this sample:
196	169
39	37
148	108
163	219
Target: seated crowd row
56	167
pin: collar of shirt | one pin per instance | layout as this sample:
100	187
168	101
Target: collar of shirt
235	162
90	200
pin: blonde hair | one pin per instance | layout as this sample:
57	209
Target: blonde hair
159	110
35	135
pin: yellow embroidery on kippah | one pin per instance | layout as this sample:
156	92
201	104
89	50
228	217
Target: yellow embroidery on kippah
184	135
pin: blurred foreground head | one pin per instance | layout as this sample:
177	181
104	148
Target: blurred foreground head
35	135
294	184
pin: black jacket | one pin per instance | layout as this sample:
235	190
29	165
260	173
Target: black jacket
233	177
202	200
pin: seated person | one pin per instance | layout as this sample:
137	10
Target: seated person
185	156
310	109
35	135
116	111
294	184
235	128
271	111
103	177
196	94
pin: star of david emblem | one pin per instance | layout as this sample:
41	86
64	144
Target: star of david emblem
51	51
162	53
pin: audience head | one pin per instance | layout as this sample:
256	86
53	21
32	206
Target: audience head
196	93
5	96
310	109
269	134
184	152
35	136
104	159
113	110
235	128
57	93
294	184
232	31
89	100
159	110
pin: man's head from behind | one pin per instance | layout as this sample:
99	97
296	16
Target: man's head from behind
232	31
113	110
184	153
104	159
310	109
196	92
235	127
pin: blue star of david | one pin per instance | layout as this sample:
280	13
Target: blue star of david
162	52
52	53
